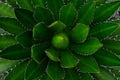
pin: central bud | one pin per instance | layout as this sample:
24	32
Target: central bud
60	41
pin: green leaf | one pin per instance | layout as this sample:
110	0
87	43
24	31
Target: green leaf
54	71
105	11
34	70
103	30
38	3
88	48
107	58
52	54
6	10
71	74
99	2
68	60
86	13
43	15
79	33
88	65
6	64
66	1
6	41
68	14
40	31
113	45
25	39
15	52
86	76
12	3
104	75
45	77
11	25
25	17
26	4
18	72
37	51
55	8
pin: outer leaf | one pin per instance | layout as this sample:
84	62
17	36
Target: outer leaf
68	14
6	64
68	60
5	10
105	11
112	45
12	3
104	75
34	70
86	76
79	33
86	13
103	30
25	39
88	65
26	4
18	72
15	52
37	51
71	74
55	8
87	48
40	31
6	41
38	3
11	25
54	71
107	58
25	17
44	15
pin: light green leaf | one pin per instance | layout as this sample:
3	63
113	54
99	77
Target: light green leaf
88	65
105	11
39	3
86	13
11	25
88	48
54	71
15	52
68	14
68	60
18	72
103	30
86	76
35	70
107	58
6	41
79	33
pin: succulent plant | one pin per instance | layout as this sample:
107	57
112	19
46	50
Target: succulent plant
59	40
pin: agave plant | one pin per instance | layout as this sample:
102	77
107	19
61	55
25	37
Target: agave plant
60	40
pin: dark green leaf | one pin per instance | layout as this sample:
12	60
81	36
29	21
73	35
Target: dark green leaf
71	74
40	31
87	48
43	15
98	2
11	25
79	33
26	4
6	41
54	71
15	52
25	17
38	3
18	72
34	70
107	58
6	10
68	14
86	76
45	77
104	75
12	3
66	1
105	11
37	51
86	13
103	30
55	8
25	39
88	65
68	60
